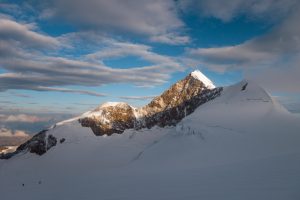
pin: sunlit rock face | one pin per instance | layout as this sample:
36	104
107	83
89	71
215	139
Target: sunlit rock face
169	108
109	119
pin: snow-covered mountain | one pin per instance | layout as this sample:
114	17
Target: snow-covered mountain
179	100
240	144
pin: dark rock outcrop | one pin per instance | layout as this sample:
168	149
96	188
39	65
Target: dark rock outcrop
244	87
173	115
38	144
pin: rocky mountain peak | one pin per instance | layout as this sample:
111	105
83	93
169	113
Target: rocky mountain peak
110	118
181	99
178	93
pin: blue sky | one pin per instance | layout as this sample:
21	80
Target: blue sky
68	56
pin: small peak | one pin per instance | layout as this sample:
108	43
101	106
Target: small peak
201	77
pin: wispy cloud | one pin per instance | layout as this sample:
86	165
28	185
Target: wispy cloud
13	31
71	91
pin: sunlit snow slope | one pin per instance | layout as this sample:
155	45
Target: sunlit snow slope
241	145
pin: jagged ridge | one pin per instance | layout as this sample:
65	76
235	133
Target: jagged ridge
180	100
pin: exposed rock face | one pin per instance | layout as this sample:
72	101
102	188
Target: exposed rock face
179	100
38	144
173	115
109	119
62	140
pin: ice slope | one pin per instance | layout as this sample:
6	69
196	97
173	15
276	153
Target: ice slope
241	145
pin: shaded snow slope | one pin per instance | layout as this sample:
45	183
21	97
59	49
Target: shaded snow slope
241	145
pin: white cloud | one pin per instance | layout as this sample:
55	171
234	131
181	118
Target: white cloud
17	32
231	57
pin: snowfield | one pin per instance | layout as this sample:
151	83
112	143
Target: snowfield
241	145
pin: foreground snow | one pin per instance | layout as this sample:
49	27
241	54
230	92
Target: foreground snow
242	145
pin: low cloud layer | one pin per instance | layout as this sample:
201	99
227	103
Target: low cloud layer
4	132
23	118
10	137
